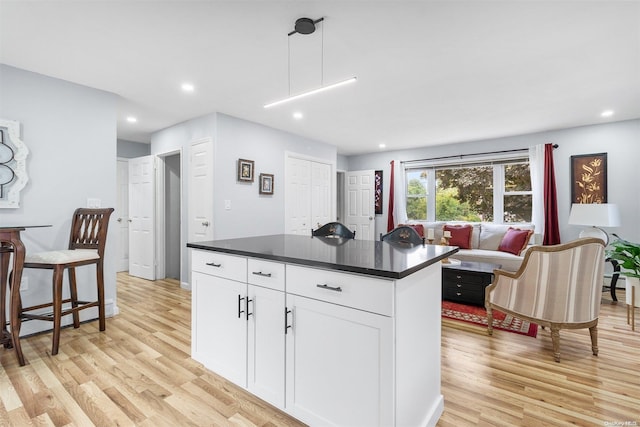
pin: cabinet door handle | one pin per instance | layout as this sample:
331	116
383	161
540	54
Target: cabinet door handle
330	288
286	320
240	310
458	285
247	308
458	277
458	293
213	264
260	273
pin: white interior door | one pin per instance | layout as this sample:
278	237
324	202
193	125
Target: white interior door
201	190
122	215
142	189
298	197
361	203
320	194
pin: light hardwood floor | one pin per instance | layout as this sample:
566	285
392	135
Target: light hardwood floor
139	372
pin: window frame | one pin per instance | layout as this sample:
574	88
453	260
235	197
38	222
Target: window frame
499	191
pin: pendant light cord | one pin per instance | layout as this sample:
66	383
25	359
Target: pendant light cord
322	56
289	63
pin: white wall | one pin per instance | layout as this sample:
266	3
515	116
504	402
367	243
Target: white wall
251	214
619	139
70	131
130	149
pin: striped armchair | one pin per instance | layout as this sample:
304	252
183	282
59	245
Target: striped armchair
558	286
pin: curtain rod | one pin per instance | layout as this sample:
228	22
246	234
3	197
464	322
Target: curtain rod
460	156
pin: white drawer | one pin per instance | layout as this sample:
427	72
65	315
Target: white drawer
268	274
350	290
220	265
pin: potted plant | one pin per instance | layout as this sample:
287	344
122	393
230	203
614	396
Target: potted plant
627	254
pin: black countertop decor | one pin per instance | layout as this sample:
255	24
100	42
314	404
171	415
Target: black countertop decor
374	258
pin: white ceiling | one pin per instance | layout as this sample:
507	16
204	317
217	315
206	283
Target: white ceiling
429	72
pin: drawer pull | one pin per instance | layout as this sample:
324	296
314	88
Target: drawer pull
213	264
247	313
330	288
458	285
240	310
286	320
458	277
260	273
459	293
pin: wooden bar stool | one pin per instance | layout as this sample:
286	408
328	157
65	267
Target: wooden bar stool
86	247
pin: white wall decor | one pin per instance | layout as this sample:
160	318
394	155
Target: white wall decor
13	164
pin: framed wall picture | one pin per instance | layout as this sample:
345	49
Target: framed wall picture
589	178
245	170
378	192
266	183
13	164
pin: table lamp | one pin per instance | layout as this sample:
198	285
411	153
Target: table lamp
595	215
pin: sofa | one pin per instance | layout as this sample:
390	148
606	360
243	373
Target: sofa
502	244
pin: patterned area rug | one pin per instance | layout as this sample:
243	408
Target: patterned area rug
478	316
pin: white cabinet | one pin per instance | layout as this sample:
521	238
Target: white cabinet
330	348
219	328
339	365
237	326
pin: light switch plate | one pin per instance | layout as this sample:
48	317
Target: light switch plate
94	203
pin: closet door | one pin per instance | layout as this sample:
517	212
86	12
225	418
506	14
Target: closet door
320	194
308	195
298	197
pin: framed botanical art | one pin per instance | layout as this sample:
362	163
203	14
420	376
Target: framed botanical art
378	192
266	183
245	170
589	178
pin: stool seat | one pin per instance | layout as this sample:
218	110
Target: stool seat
62	257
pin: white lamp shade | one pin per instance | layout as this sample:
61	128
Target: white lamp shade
595	214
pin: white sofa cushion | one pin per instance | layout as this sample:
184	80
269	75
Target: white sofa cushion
491	234
507	261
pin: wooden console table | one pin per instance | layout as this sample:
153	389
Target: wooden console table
10	243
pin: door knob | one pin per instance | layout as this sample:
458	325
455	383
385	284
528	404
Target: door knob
119	219
205	223
370	218
130	220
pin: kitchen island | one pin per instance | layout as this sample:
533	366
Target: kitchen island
335	332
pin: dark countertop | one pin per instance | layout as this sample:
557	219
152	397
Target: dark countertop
374	258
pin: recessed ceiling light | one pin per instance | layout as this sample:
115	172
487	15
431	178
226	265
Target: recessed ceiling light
188	87
298	115
382	146
607	113
131	119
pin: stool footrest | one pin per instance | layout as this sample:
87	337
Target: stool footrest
49	315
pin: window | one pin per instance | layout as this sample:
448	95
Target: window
518	198
496	191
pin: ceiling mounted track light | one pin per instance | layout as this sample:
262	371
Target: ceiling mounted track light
308	26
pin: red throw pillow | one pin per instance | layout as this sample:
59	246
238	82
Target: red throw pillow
515	240
460	235
418	227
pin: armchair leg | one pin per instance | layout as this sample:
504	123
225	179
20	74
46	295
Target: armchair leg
555	339
489	320
593	331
